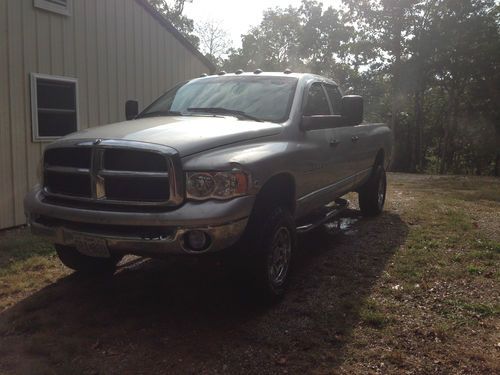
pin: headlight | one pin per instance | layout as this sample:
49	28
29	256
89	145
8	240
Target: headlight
216	185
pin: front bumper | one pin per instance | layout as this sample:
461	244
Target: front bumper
141	233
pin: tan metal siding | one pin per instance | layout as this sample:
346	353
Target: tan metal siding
30	64
116	50
7	180
16	95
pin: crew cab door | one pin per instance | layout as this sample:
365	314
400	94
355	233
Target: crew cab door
342	142
323	152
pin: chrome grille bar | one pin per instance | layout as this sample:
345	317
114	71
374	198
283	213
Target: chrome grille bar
110	173
100	177
68	170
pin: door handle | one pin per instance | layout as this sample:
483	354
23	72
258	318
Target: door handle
355	138
333	142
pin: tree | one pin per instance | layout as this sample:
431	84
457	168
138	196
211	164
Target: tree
214	40
273	45
428	45
172	10
304	38
430	68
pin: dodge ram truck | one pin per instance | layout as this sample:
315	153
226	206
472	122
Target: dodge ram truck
233	164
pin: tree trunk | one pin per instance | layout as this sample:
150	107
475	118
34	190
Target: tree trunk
444	150
417	149
497	161
396	84
448	126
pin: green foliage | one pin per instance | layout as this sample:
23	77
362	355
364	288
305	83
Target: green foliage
172	10
430	68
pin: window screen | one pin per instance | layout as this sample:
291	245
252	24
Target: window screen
317	103
54	102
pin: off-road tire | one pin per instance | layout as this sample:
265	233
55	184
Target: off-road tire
372	194
84	264
273	237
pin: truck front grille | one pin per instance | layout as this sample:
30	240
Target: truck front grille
115	172
71	184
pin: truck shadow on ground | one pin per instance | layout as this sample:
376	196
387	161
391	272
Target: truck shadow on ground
188	317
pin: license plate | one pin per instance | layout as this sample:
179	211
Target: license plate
91	246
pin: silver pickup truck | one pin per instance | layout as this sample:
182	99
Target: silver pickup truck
229	163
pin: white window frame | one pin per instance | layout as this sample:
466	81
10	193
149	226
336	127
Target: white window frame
56	8
34	104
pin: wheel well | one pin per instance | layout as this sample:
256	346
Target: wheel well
379	159
278	189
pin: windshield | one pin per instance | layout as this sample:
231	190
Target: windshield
264	98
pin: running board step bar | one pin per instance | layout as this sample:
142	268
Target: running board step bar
334	209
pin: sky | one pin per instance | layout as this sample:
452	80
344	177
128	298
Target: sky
236	16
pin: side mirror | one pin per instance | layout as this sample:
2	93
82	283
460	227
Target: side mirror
352	109
131	109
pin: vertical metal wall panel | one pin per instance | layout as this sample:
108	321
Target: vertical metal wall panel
16	95
102	68
116	49
90	17
130	52
6	182
69	45
172	61
33	149
56	44
138	55
121	56
112	64
81	68
160	46
42	50
146	56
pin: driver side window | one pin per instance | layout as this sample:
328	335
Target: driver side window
317	103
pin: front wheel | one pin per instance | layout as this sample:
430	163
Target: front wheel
372	193
84	264
274	245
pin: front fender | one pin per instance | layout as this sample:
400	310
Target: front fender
262	160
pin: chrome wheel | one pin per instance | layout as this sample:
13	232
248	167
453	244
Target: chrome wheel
279	261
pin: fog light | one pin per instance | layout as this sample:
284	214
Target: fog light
196	240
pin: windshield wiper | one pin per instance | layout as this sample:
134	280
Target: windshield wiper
224	111
160	113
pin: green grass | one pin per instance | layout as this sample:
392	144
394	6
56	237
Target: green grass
468	188
27	262
18	248
372	315
467	312
445	265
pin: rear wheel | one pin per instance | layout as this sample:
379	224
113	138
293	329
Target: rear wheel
372	194
84	264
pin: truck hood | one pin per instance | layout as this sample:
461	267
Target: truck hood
187	134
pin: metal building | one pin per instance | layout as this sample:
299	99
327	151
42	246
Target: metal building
71	64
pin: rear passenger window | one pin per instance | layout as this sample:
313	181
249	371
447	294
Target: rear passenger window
335	98
317	103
